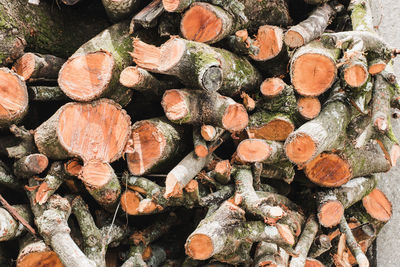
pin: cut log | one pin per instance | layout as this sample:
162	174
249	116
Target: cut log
278	96
270	126
102	61
102	183
30	165
45	29
310	262
13	98
200	145
377	205
147	17
323	133
139	79
308	107
249	199
200	107
333	202
210	133
176	5
334	169
304	243
7	178
210	23
118	10
154	145
45	93
34	252
222	172
11	228
35	67
321	244
260	150
311	28
198	65
19	145
84	130
267	255
269	41
313	69
381	113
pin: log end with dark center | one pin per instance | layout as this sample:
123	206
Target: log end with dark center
330	213
313	74
86	77
378	205
235	118
329	169
253	150
308	107
199	247
147	144
201	23
300	149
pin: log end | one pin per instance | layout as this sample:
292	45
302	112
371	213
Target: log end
293	39
310	262
171	5
329	170
378	205
147	144
356	75
13	97
278	129
84	130
201	23
300	149
313	74
25	65
272	87
286	233
174	105
235	118
201	151
376	68
223	167
309	107
73	167
96	174
130	77
146	56
330	213
40	259
208	132
130	201
36	163
173	187
86	77
253	150
199	247
269	41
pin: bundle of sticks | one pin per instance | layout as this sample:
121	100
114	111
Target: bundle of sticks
193	133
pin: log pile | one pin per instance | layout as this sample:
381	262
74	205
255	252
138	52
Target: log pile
193	133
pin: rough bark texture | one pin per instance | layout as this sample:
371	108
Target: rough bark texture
44	29
147	17
19	145
44	93
30	165
119	10
10	228
7	178
34	252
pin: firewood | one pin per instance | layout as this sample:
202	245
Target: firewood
35	252
121	9
377	205
44	93
199	107
7	178
321	244
210	23
148	15
260	150
154	145
176	5
269	254
30	165
13	98
11	228
308	107
211	69
19	145
35	67
210	133
57	32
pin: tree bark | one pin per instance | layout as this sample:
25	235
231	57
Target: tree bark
119	10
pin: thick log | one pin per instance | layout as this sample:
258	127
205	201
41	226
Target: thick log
154	145
308	107
199	107
316	61
30	165
34	67
304	243
333	169
323	133
11	228
87	125
13	98
209	23
120	9
198	65
311	28
99	57
260	150
341	198
45	29
377	205
34	252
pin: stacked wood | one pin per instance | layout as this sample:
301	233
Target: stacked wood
254	139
